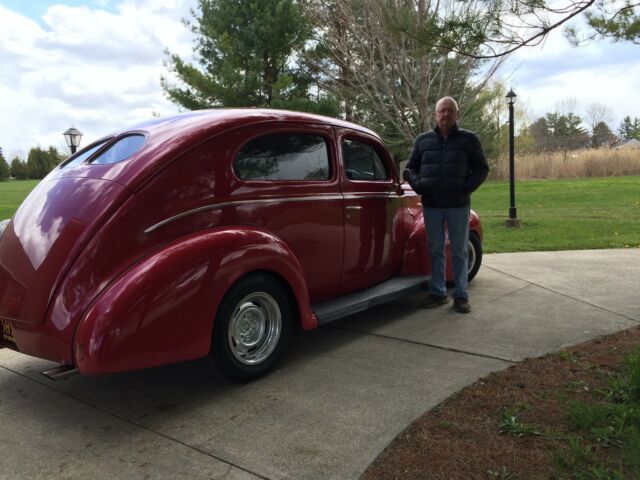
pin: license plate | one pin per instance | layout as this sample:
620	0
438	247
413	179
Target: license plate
7	331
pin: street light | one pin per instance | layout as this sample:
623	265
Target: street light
72	136
512	221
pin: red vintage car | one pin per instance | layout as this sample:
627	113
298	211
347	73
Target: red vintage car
209	234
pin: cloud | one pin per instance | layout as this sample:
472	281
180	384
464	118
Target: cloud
95	67
602	72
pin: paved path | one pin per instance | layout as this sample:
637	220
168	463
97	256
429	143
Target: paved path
339	397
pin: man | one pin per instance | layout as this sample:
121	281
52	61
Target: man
446	165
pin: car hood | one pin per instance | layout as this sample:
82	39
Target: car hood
44	237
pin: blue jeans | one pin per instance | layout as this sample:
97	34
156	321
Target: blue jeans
457	221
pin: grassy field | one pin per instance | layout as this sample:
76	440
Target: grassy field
12	194
568	214
572	214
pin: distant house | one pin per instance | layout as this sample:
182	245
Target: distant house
633	143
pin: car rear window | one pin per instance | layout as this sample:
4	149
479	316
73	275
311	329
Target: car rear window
83	155
284	156
120	150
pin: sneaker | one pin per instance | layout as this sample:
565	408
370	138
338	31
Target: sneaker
434	301
461	305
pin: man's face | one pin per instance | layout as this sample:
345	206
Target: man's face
446	115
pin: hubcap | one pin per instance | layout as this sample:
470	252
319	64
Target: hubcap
254	329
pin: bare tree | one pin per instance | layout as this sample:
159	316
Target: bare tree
386	77
566	106
596	113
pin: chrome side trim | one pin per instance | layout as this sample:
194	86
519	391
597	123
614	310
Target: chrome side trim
239	203
353	196
269	200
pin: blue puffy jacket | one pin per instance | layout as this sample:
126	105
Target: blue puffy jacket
446	171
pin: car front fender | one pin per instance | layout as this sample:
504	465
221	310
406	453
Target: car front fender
162	309
415	260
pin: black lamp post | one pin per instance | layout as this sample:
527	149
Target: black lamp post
512	221
72	137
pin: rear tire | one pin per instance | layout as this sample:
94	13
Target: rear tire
252	327
474	255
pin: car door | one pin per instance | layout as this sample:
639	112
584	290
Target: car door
288	184
374	233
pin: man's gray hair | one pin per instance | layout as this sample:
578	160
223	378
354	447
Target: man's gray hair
447	99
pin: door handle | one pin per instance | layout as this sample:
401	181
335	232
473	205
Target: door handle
354	207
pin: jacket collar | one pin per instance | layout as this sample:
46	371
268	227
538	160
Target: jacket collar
453	131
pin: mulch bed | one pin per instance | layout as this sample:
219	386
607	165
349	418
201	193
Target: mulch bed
461	438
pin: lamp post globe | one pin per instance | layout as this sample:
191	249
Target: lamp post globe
513	220
73	136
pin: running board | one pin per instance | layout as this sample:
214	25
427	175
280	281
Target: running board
393	289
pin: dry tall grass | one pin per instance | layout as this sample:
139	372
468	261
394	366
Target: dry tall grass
571	164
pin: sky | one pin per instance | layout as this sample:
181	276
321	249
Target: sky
96	65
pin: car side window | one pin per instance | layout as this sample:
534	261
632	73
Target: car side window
362	162
284	156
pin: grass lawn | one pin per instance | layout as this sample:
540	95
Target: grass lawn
12	193
571	214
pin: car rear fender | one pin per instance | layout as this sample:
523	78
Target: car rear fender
162	309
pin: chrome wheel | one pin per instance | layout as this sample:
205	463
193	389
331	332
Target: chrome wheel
254	328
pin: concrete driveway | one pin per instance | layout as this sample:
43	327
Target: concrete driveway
340	395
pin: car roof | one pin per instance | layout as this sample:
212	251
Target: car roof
209	122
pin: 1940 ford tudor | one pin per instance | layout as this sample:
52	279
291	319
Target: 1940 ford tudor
209	234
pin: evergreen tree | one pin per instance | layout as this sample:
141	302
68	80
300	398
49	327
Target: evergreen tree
567	132
629	129
541	134
5	173
18	169
41	162
601	135
559	132
616	19
55	157
245	57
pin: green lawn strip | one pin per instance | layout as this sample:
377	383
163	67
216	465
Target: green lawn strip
604	437
12	193
607	428
571	214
